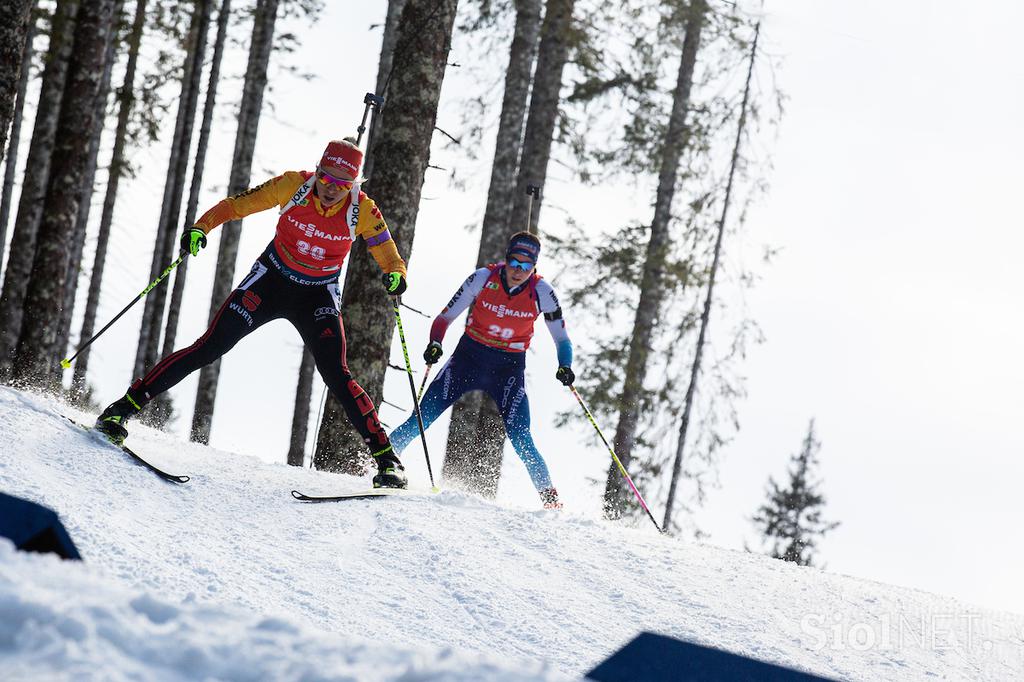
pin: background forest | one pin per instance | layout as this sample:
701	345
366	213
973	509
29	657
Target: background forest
680	254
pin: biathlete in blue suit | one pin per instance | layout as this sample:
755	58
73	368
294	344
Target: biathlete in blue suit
505	299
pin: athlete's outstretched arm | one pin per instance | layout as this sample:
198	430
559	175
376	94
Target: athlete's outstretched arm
548	304
469	290
274	192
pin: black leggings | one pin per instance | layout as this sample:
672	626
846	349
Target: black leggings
265	295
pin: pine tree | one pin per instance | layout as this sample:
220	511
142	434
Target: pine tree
608	275
241	169
174	187
14	21
307	366
296	456
556	35
475	420
476	442
401	154
33	187
652	288
11	153
88	187
384	67
791	520
165	408
126	96
36	355
698	354
508	144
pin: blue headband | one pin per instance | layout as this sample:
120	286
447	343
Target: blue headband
523	246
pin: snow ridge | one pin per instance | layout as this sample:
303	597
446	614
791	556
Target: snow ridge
228	577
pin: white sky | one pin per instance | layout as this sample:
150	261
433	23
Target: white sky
888	313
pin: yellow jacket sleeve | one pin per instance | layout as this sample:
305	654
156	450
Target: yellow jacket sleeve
374	230
274	192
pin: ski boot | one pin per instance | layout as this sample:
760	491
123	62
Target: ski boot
390	472
549	496
111	422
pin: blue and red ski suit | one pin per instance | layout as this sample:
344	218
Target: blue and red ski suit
491	357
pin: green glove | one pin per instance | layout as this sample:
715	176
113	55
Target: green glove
192	240
394	282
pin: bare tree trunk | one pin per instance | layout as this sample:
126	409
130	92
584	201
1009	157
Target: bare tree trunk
477	450
401	152
241	167
163	400
174	187
300	417
651	290
387	44
509	142
540	125
126	97
15	140
36	360
197	172
14	27
705	317
387	53
33	187
304	389
460	460
88	187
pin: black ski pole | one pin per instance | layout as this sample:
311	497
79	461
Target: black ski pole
371	101
533	191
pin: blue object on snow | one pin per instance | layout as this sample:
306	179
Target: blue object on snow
656	658
35	528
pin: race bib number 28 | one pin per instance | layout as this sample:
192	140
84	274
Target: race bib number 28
315	252
500	332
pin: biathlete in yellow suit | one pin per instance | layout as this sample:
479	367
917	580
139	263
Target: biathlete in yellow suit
296	277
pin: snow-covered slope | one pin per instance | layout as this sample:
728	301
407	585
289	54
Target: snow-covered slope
228	577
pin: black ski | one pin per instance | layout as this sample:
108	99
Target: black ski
359	495
174	478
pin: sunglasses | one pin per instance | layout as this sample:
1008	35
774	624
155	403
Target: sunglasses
525	266
325	179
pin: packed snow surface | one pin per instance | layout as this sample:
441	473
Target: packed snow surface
228	578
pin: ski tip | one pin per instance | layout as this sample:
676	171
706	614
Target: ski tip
297	495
